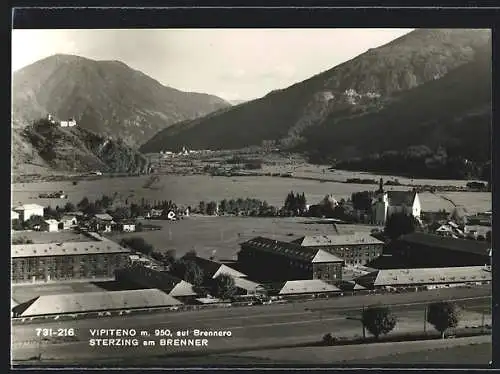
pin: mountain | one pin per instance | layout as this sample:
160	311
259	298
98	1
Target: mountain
316	110
106	97
51	147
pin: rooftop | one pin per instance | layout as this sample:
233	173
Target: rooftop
307	286
393	277
292	250
325	240
246	284
39	237
397	198
447	243
212	269
94	301
29	207
66	249
103	217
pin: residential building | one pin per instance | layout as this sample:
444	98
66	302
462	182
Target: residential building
354	249
50	225
94	302
29	210
307	288
426	278
13	215
127	226
69	123
69	221
102	222
97	259
420	250
390	202
270	260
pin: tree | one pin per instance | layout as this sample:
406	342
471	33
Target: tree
69	207
488	236
202	207
223	207
83	204
122	213
106	201
137	244
211	208
443	315
378	320
400	224
34	221
223	287
193	274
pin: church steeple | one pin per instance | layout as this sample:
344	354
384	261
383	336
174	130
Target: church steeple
381	186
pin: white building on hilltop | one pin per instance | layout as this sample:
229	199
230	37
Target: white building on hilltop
69	123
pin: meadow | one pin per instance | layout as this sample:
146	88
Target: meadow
220	236
190	190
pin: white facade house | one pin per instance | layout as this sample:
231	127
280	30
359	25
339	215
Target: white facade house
70	123
69	222
29	210
128	227
50	225
390	202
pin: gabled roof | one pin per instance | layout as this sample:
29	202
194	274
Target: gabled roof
29	207
398	198
307	286
212	269
442	242
95	301
182	288
349	239
247	285
291	250
68	217
51	221
394	277
103	217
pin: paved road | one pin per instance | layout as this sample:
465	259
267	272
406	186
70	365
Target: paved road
250	327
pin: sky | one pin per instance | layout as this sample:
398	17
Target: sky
234	64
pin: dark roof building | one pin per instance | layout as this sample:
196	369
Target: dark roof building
429	250
272	260
398	198
146	276
212	269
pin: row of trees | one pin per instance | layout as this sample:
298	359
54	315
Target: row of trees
380	320
420	162
249	207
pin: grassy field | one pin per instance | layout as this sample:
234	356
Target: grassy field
220	236
190	190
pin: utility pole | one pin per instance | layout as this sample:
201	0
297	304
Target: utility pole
482	322
425	320
362	324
